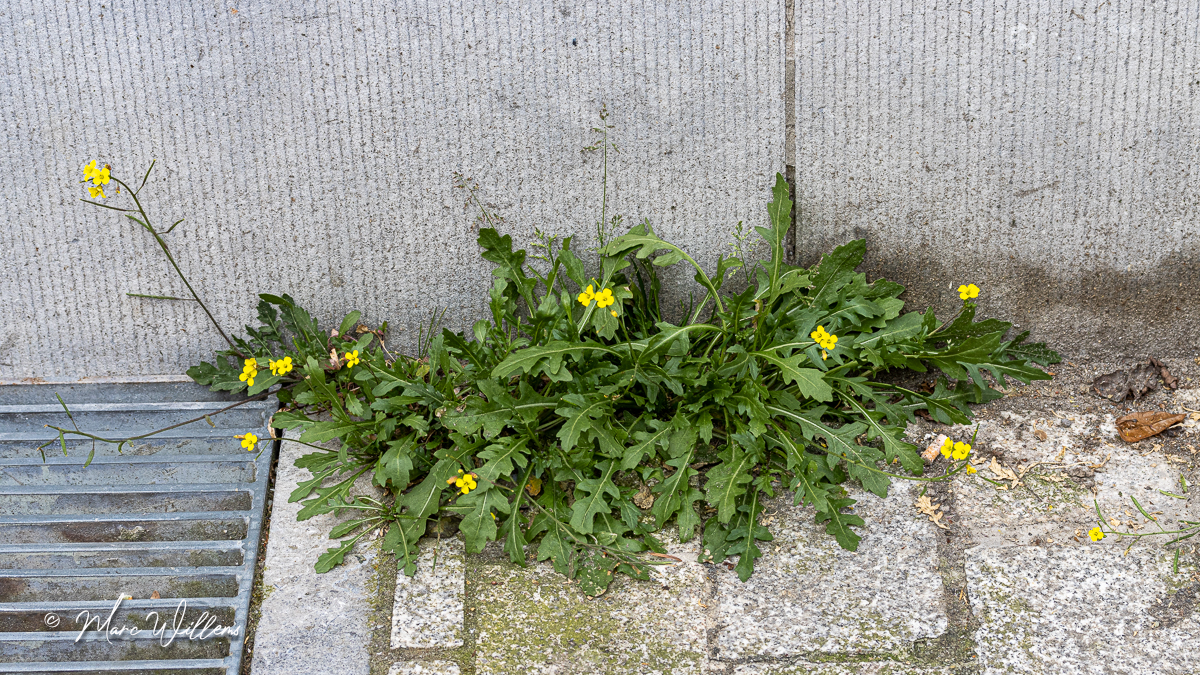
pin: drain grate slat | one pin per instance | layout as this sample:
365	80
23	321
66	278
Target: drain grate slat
173	522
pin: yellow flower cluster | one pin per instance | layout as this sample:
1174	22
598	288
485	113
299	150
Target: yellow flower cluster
352	359
249	372
603	299
956	450
282	366
968	291
1096	534
826	340
464	482
99	178
248	441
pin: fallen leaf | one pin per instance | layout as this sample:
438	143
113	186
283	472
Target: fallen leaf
1122	384
1002	472
644	499
1141	425
1041	435
155	596
1168	379
534	486
928	508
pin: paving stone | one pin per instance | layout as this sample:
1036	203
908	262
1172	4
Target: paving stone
808	594
428	608
856	668
1055	504
532	620
311	623
424	668
1082	610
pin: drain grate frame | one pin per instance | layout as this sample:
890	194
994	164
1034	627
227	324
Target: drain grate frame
180	514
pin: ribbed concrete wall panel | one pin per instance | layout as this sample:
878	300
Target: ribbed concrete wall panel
1045	151
311	146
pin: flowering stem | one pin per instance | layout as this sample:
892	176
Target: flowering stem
145	223
123	441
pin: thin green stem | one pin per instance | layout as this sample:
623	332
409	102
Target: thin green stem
171	259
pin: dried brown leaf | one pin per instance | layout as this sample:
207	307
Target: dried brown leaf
1141	425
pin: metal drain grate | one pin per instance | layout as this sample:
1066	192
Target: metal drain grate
179	515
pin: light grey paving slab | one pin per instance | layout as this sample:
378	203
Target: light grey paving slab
1079	462
311	624
1082	610
808	594
428	607
532	621
857	668
424	668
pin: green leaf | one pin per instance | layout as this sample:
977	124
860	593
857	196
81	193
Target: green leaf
526	360
320	432
905	326
349	323
780	212
556	547
893	444
727	481
835	270
500	458
809	381
659	434
334	556
479	521
589	497
396	464
840	523
580	416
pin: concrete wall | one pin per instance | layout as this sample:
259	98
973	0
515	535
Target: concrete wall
1046	151
311	147
1043	151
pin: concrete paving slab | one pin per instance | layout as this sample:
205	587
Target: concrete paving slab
428	607
530	621
311	624
1073	461
424	668
808	594
855	668
1082	610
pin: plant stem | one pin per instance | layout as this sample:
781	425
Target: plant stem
167	252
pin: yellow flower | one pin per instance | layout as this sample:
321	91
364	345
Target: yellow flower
968	292
613	312
604	298
970	469
249	372
588	294
465	483
96	192
961	450
90	170
824	355
830	342
282	366
1096	534
819	335
352	359
947	448
100	177
248	441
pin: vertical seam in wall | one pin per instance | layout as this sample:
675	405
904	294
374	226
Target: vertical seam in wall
789	119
